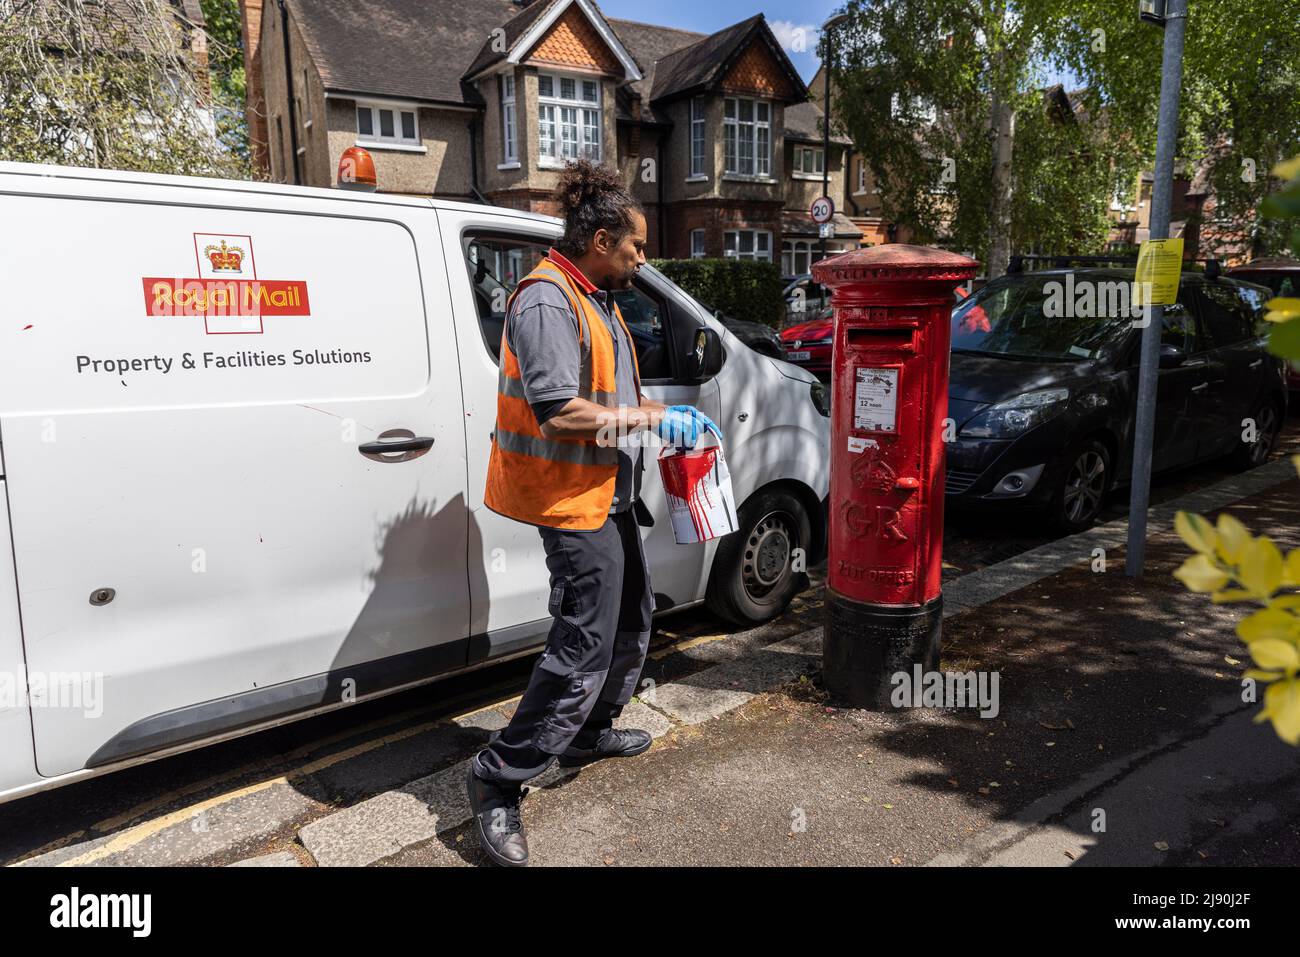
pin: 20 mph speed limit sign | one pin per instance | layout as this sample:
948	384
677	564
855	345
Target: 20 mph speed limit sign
823	210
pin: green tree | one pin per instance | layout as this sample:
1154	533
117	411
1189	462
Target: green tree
948	102
226	64
1020	176
108	85
1240	111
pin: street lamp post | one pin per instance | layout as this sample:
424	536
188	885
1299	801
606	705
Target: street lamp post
826	114
1173	17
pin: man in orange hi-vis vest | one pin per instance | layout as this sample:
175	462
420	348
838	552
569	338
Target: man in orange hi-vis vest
566	458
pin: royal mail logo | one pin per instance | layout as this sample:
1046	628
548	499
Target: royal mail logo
224	258
227	305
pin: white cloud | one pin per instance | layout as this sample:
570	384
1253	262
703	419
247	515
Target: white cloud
796	37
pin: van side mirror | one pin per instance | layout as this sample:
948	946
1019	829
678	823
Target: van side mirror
1171	357
704	359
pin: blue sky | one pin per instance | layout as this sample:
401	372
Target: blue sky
786	17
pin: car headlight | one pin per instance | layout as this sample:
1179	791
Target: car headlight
821	399
1013	417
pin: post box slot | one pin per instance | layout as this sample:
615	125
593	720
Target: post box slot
866	337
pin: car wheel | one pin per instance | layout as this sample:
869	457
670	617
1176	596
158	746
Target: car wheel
1268	422
1078	498
753	578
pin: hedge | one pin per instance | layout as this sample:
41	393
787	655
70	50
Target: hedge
741	288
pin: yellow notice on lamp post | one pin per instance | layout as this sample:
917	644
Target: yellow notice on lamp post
1160	264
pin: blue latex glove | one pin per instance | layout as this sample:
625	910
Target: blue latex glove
704	421
682	424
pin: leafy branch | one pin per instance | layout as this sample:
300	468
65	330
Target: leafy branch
1231	565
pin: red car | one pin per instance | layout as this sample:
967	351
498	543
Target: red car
808	344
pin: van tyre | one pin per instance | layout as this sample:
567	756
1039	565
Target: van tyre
1078	497
753	578
1268	422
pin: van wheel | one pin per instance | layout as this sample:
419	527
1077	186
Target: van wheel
1077	501
753	579
1268	422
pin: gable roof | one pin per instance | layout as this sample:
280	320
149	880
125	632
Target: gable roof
417	49
523	31
650	45
397	48
703	65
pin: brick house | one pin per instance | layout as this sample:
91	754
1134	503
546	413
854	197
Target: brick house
1194	217
486	101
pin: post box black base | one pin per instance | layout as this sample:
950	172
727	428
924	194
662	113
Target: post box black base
864	645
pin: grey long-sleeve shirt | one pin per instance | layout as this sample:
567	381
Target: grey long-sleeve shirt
542	332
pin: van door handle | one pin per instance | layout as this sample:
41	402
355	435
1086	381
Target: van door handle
1201	387
413	444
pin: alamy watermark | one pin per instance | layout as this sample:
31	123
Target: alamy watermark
1092	299
74	690
946	689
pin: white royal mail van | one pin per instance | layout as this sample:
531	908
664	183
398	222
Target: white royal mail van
244	433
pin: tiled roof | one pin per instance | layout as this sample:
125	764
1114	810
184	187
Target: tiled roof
428	50
650	44
703	64
111	24
519	23
803	121
399	48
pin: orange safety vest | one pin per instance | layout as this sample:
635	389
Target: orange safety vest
560	483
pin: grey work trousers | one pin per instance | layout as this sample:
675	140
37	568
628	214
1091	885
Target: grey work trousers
601	602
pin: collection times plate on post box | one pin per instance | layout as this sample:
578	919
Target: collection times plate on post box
875	405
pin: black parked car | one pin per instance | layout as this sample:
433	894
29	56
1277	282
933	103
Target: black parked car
1044	405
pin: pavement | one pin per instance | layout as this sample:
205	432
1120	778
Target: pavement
1120	738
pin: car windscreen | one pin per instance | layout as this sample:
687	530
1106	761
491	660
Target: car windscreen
1283	282
1044	318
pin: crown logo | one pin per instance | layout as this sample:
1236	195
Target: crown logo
224	258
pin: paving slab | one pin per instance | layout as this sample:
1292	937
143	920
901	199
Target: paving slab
278	859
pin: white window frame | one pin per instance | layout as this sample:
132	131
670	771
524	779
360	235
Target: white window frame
739	133
733	238
809	162
509	127
862	176
558	115
698	141
697	244
792	248
377	140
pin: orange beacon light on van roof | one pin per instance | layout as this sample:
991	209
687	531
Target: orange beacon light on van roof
357	170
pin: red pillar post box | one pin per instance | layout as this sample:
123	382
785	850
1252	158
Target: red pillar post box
893	306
